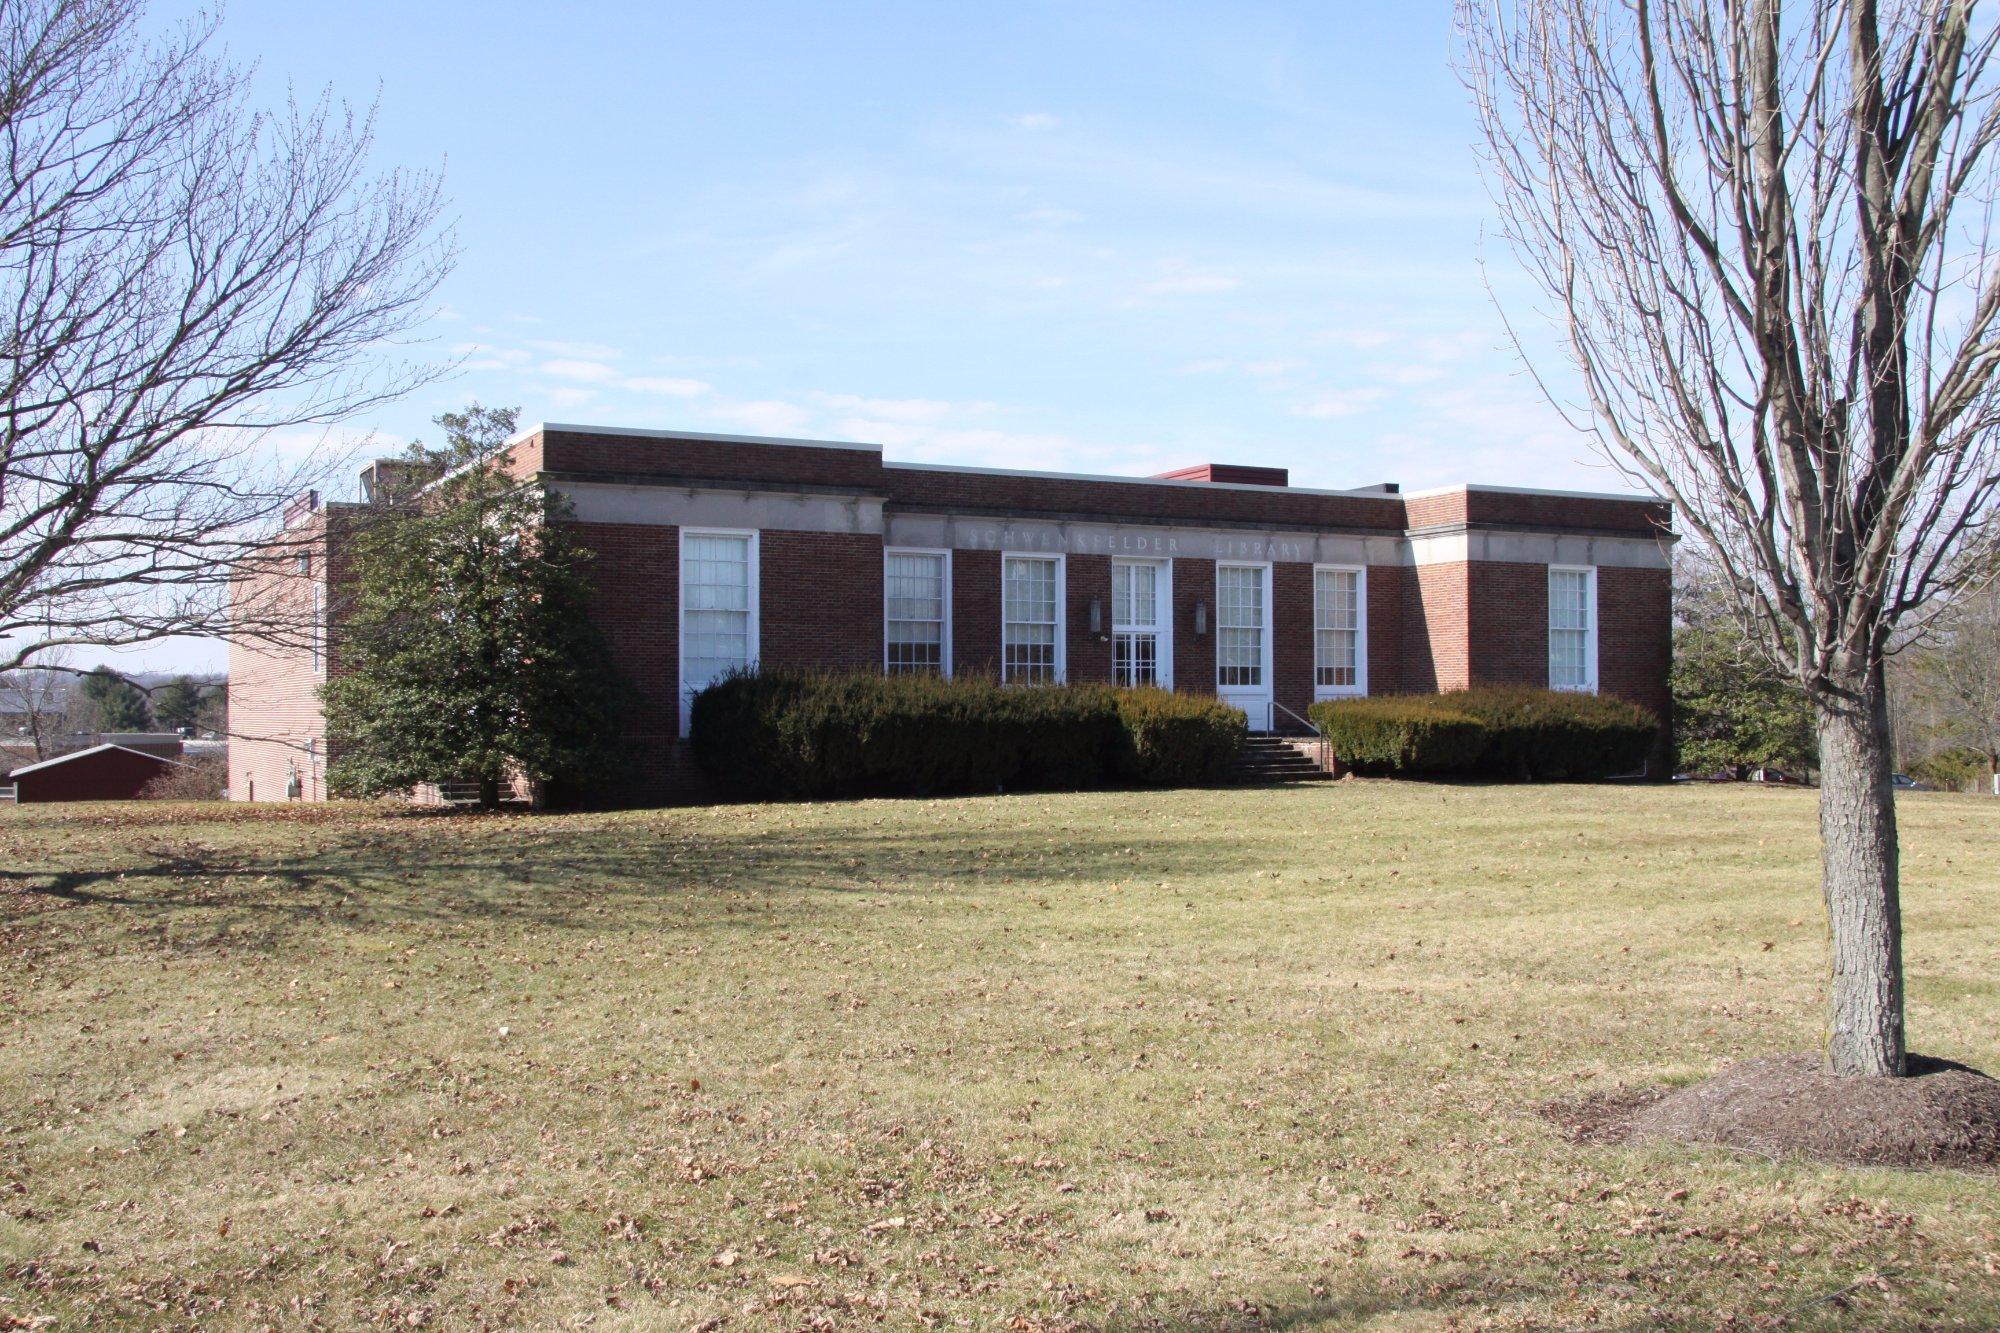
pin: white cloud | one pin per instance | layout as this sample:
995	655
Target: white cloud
764	417
1407	372
1194	284
588	372
1360	340
575	350
1049	217
668	385
564	396
1034	120
1268	369
900	409
1341	403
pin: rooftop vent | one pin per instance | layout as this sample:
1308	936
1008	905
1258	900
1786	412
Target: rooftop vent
1234	474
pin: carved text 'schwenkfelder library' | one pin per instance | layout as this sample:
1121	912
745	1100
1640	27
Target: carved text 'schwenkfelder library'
718	551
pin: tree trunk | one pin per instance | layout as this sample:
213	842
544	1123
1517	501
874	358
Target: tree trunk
489	793
1857	824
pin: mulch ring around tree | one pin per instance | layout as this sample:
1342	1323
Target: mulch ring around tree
1942	1114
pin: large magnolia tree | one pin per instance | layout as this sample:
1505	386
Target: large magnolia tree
1765	230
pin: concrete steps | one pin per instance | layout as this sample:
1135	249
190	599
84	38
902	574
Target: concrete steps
1265	760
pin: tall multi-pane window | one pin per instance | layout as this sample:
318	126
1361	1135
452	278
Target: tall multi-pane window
914	612
1030	592
1239	626
318	628
1337	630
718	608
1573	629
1135	622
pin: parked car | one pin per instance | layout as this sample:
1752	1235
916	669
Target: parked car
1904	782
1777	777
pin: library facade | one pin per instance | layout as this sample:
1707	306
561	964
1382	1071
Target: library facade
716	552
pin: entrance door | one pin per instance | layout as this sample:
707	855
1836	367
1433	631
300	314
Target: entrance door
1243	640
1141	647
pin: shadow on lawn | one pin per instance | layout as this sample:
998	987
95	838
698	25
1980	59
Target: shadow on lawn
583	880
1464	1292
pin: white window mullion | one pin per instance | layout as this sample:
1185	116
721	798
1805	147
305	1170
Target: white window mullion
1573	629
718	609
916	612
1340	631
1241	637
1031	619
1139	640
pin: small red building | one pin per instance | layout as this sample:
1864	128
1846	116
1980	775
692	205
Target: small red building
101	773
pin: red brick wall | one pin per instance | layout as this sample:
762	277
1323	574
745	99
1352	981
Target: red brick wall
635	596
1518	509
1292	639
975	613
1089	655
1515	509
1434	629
1635	636
1389	587
1508	624
713	460
1194	655
820	602
276	724
1000	496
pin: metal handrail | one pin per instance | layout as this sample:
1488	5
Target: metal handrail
1323	757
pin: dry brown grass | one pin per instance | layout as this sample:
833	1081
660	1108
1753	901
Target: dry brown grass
1215	1059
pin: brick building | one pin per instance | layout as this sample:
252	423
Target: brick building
714	551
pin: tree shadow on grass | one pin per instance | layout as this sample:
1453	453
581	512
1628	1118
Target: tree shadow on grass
1470	1292
609	878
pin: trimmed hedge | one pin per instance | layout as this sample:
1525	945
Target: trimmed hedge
1509	732
1400	734
795	733
1176	740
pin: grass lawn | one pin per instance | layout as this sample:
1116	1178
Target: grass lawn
1127	1060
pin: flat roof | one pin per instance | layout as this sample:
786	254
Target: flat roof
1376	491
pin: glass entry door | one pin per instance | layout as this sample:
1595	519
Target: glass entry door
1243	640
1140	651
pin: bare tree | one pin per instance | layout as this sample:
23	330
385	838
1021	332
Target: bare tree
39	699
1764	228
1957	673
181	276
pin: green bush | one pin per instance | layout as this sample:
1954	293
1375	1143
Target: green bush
1959	768
792	733
1498	731
1547	735
1417	733
1177	739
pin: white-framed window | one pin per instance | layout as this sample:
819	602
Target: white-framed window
1141	623
718	622
916	612
1573	628
1031	619
1242	635
317	632
1340	630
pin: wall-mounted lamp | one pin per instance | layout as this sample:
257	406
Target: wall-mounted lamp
1201	617
1096	616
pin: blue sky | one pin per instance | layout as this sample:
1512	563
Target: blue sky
1098	237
